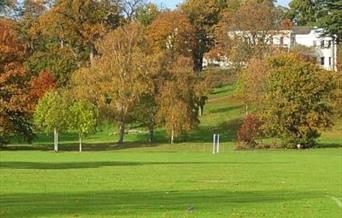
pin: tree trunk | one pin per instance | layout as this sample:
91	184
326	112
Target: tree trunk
55	137
91	53
121	132
246	109
201	110
80	139
151	136
172	136
198	62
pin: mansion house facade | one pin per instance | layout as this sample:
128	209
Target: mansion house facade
325	47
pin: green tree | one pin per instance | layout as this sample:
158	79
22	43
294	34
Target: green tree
51	57
84	116
323	13
147	13
298	101
5	6
330	17
303	12
53	114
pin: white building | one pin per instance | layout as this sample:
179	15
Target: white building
325	46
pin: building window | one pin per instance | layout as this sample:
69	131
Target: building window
322	44
330	61
329	44
322	61
314	43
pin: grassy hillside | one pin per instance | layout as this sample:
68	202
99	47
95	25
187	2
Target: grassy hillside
222	114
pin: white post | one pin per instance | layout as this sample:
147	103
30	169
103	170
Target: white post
80	137
214	143
218	144
55	133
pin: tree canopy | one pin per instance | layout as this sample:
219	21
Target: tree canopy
298	100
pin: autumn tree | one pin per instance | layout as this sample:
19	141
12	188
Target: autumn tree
248	31
14	113
78	25
203	15
38	86
251	82
177	99
84	116
172	32
307	53
53	114
298	101
120	77
29	13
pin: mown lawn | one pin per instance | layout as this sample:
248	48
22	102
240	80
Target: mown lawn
171	184
138	179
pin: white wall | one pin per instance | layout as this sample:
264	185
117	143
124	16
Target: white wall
326	52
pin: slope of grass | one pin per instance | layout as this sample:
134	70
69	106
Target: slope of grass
162	180
223	114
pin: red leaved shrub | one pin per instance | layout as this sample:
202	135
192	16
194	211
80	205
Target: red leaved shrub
248	132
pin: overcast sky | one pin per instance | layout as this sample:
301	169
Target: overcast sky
173	3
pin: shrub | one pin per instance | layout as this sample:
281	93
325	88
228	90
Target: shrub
248	132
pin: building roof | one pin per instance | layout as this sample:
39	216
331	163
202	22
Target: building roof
301	29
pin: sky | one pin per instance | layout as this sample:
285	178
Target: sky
173	3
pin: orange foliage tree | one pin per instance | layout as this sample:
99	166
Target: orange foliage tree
173	32
38	86
120	77
14	112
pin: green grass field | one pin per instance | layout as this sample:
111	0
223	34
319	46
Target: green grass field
182	180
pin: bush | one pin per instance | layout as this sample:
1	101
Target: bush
4	139
248	132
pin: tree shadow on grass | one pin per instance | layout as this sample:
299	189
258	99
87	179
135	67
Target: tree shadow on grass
140	203
99	164
108	146
329	145
224	109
